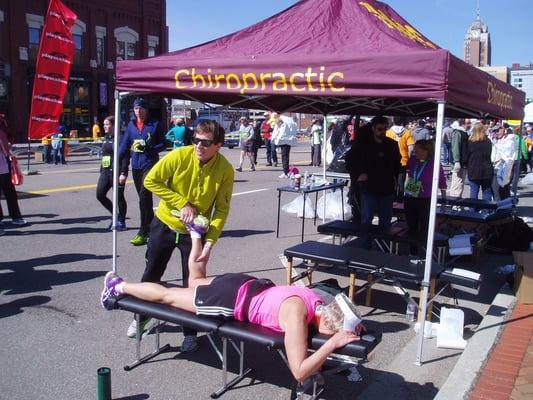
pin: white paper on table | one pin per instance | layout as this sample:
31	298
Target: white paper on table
465	273
460	240
460	251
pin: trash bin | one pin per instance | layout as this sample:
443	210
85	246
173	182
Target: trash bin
523	279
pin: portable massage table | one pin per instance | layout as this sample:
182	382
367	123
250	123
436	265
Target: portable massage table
377	267
237	333
476	204
387	239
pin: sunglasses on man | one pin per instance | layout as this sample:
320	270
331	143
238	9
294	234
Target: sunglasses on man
204	142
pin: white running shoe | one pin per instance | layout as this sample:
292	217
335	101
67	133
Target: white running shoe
283	175
146	327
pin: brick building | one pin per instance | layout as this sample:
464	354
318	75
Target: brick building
106	31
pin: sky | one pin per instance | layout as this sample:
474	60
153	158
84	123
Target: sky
445	22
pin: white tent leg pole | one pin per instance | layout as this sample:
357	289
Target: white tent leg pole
324	133
115	176
431	230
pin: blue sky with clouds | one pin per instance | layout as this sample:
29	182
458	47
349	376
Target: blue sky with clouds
445	22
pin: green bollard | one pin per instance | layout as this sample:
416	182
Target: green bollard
104	383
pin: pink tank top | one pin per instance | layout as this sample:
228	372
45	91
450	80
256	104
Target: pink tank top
264	307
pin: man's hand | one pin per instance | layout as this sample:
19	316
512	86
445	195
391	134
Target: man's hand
206	253
362	178
122	180
188	213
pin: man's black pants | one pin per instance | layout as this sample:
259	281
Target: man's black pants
146	203
162	243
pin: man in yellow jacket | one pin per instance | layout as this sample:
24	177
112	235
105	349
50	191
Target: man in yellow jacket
190	181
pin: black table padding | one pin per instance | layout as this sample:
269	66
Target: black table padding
448	276
169	314
238	330
474	216
400	267
396	233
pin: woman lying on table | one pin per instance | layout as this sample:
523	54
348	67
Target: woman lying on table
288	309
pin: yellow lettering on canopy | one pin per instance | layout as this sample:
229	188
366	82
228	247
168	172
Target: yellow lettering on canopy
263	76
332	76
293	84
309	74
218	78
498	97
406	30
245	82
177	78
196	77
237	81
281	81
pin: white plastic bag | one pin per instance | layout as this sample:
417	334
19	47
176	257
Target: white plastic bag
334	205
526	180
450	332
297	205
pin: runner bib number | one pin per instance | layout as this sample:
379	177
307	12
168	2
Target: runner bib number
106	161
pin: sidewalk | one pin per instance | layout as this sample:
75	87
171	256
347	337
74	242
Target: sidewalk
508	373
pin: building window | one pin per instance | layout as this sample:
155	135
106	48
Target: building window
152	42
33	42
100	51
100	45
77	52
126	39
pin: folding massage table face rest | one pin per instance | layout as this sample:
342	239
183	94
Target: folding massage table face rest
239	330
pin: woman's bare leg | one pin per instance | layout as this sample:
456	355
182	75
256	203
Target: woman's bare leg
181	298
197	269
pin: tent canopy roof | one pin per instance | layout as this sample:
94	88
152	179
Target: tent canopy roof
330	57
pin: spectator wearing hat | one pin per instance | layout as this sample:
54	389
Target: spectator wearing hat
143	139
58	145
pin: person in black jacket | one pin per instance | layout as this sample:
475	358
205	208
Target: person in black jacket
105	181
480	169
375	164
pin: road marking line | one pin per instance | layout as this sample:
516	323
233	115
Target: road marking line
68	170
68	188
250	191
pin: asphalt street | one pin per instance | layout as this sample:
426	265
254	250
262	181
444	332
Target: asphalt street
55	335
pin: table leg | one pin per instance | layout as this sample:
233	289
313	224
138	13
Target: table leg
368	297
316	204
351	290
279	206
342	202
431	295
303	218
289	271
309	276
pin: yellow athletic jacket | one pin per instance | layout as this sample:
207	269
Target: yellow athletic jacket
178	179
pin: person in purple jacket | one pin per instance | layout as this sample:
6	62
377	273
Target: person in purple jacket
144	139
418	188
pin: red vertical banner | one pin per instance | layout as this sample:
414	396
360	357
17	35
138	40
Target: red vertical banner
52	71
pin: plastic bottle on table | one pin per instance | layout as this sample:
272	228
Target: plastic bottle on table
306	179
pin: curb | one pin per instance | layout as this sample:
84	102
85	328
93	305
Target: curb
465	372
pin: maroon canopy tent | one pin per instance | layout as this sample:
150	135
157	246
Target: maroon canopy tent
327	57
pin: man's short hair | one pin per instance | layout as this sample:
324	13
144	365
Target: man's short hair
379	120
399	121
210	126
